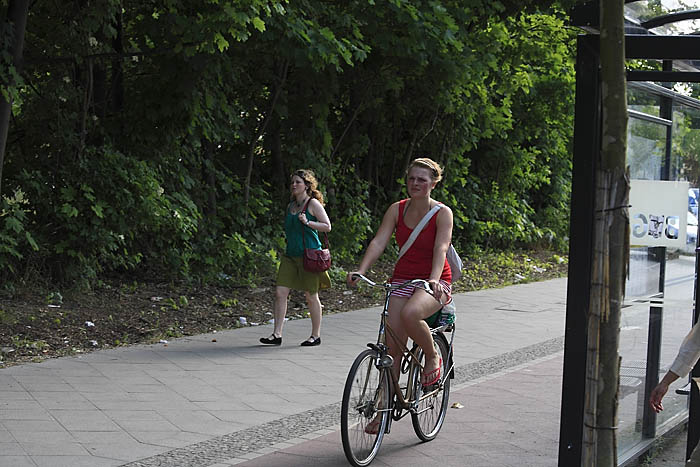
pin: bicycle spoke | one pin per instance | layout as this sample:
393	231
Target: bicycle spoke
431	405
364	410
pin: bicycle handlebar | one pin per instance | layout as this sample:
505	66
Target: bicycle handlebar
416	282
360	276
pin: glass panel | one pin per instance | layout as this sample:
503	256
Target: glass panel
634	329
644	102
645	10
688	26
646	142
685	147
677	321
676	313
645	156
680	269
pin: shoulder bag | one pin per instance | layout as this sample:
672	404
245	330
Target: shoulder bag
315	260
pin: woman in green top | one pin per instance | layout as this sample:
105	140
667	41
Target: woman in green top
291	274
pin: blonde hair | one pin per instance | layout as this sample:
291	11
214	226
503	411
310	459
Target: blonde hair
424	162
311	183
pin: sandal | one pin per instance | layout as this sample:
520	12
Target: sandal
432	376
372	427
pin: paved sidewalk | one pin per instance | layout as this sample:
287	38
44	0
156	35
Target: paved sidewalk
222	399
509	419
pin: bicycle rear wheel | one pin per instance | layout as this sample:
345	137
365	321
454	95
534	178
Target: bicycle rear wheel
430	411
366	393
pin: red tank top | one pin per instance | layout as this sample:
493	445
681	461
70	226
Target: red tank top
417	262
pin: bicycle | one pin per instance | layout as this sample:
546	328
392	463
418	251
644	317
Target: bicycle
373	391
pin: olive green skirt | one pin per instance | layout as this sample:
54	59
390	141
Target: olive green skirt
293	275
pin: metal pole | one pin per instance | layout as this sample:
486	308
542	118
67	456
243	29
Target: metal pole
653	364
586	146
661	255
694	410
666	111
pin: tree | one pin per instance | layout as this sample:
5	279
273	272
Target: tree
13	42
610	248
140	127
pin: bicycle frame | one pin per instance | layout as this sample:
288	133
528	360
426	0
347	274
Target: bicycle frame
372	400
408	401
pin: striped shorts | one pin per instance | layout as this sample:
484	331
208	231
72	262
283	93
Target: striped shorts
408	290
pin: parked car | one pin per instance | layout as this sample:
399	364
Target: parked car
692	229
693	197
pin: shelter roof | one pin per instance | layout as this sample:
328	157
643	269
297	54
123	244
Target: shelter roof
665	17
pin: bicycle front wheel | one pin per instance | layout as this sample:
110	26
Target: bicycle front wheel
432	402
365	409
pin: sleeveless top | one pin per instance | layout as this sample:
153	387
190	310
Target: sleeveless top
293	230
417	262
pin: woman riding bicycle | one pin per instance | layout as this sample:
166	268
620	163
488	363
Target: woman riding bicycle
425	259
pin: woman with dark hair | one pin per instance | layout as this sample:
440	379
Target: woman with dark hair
305	217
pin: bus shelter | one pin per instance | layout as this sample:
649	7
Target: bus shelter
662	47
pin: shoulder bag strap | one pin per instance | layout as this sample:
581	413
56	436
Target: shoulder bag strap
325	235
417	230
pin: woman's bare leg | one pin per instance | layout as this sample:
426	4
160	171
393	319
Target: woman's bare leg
315	311
281	294
420	306
396	339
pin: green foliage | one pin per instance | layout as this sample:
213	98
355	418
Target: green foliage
158	138
487	267
16	240
54	298
7	318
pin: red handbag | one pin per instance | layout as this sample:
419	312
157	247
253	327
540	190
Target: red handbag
316	260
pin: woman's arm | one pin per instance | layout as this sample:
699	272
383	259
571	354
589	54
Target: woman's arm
688	353
660	391
381	239
322	222
685	359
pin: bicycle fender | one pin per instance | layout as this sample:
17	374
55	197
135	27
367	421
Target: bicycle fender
450	363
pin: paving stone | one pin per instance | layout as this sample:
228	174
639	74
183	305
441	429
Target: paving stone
84	420
48	437
74	461
32	425
43	448
37	413
11	449
16	461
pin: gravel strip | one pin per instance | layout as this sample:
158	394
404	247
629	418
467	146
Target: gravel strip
263	436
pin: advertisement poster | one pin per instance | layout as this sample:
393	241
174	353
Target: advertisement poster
658	213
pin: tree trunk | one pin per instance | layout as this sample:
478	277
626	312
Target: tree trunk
17	12
280	183
117	72
209	176
284	68
611	248
87	102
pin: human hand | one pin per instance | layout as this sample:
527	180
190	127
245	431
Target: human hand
352	279
656	395
302	218
435	287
